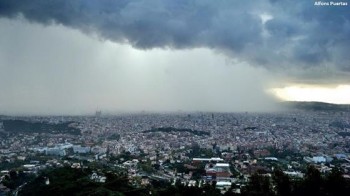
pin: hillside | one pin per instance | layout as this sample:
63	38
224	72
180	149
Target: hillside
21	126
317	106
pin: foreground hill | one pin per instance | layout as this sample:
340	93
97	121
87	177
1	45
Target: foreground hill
68	181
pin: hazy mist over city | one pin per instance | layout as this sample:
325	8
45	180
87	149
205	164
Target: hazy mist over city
76	57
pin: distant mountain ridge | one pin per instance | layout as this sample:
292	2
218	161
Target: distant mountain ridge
317	106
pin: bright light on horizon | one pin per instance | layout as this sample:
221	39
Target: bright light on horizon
338	95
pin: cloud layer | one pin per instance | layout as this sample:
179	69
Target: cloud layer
58	70
275	34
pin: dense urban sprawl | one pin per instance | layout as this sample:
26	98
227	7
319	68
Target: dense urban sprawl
189	148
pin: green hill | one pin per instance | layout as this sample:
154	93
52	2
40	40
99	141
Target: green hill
21	126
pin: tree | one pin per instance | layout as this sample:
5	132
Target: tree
282	182
258	185
312	182
335	184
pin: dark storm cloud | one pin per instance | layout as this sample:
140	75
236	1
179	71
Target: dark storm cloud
324	32
299	34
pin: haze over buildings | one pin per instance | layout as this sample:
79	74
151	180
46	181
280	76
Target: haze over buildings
70	57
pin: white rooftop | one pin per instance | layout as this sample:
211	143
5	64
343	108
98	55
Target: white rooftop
222	165
222	183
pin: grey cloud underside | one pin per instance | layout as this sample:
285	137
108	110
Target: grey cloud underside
299	35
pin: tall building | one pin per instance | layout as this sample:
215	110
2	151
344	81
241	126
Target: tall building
98	113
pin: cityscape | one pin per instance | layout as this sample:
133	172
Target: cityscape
188	148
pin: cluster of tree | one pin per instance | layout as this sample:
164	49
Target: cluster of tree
68	181
179	190
312	184
14	179
21	126
283	153
197	151
6	165
171	129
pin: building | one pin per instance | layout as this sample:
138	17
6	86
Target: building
213	159
81	150
55	151
218	171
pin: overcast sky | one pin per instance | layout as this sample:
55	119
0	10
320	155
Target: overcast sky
76	56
